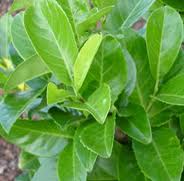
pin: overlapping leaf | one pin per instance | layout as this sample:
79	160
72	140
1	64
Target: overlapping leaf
56	45
41	138
162	159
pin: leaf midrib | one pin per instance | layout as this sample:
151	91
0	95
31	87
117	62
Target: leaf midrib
161	160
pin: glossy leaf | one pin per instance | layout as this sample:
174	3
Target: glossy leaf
41	138
103	3
135	123
27	70
164	36
127	167
13	105
172	92
98	104
20	38
126	13
86	157
162	159
57	47
85	58
99	138
136	46
104	70
69	166
47	171
55	95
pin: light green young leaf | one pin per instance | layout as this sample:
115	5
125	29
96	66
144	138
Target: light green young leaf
55	45
46	141
85	58
99	138
164	36
69	167
103	3
163	158
47	171
55	95
172	92
27	70
20	38
13	105
127	166
135	123
104	70
92	19
176	4
86	157
126	13
98	104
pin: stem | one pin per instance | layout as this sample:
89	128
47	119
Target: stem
154	94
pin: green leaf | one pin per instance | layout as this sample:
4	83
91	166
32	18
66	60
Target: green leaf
69	166
104	70
177	4
85	58
86	157
41	138
99	138
162	159
127	167
20	39
103	3
107	168
23	177
136	46
164	36
98	104
20	4
126	13
13	105
172	92
92	19
27	70
28	162
160	114
55	45
135	123
5	22
55	95
47	171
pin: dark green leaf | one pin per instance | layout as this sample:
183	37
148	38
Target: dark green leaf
172	92
162	159
13	105
99	138
135	123
125	13
41	138
104	70
69	166
86	157
164	36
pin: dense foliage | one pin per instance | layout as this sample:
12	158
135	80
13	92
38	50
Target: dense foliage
88	97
